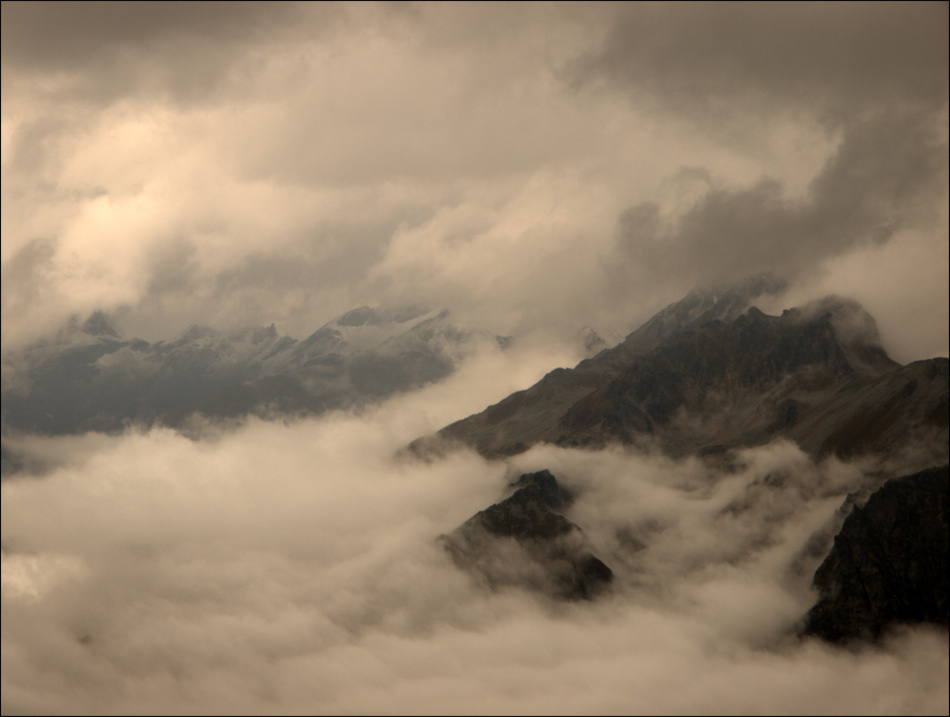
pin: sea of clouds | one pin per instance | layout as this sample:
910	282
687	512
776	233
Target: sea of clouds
295	567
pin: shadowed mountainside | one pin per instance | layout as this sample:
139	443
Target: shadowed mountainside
523	540
816	375
888	565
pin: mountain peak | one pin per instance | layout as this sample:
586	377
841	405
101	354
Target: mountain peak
855	330
98	325
699	307
714	371
744	291
526	540
195	332
254	334
359	317
851	322
368	316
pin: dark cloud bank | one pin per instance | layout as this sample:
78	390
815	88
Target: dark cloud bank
886	172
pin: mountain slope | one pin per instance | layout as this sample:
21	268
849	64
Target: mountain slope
513	424
816	375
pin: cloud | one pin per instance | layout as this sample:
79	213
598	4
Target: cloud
713	61
886	174
883	193
294	567
321	139
283	164
535	168
868	86
102	51
903	284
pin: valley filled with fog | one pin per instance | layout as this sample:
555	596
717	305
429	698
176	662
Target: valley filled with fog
294	566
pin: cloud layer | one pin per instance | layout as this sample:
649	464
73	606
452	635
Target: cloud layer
291	568
539	166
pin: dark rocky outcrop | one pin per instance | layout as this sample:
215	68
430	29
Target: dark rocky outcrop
524	541
888	565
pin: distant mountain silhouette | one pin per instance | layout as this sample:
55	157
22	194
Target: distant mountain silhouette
89	378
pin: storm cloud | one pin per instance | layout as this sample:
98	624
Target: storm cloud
724	56
888	174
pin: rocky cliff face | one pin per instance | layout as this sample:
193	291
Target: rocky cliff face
524	540
888	565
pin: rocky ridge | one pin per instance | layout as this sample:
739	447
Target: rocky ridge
888	566
816	375
525	541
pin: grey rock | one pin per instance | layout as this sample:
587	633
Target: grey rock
524	541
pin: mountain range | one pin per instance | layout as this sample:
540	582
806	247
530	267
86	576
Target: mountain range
90	378
706	377
712	373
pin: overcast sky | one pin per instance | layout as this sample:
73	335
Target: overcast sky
528	166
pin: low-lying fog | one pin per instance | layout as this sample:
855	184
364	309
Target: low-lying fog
295	568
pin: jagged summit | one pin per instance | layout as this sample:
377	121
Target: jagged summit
526	541
698	307
519	421
366	315
712	372
854	328
195	333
